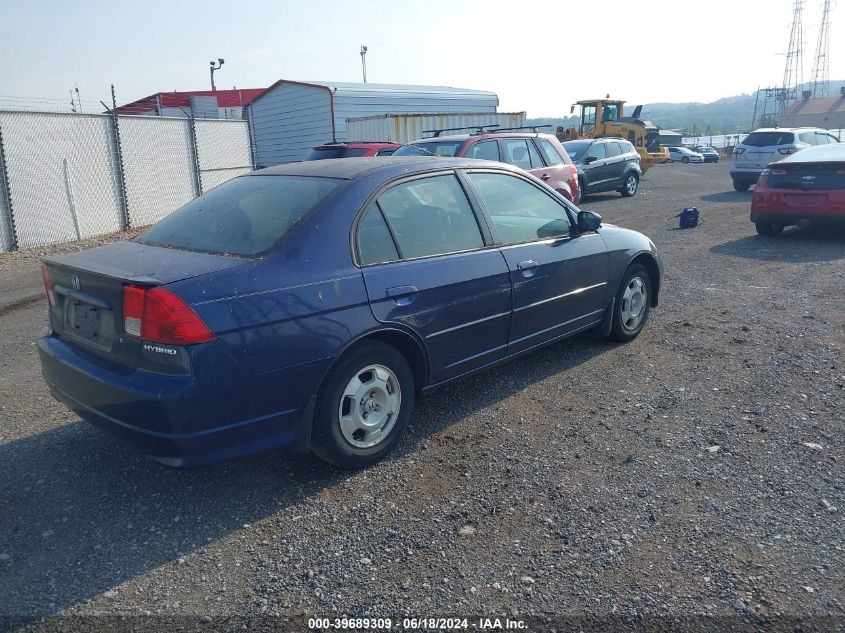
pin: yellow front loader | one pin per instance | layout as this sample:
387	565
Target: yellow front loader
606	118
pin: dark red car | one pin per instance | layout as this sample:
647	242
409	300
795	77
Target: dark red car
806	186
541	155
350	150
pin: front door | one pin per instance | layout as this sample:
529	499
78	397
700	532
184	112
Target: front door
428	269
560	278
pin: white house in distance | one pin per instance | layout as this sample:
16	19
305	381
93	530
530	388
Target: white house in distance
291	117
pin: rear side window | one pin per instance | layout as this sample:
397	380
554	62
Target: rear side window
431	216
335	152
807	137
549	151
375	244
765	139
486	150
446	148
534	155
613	149
245	216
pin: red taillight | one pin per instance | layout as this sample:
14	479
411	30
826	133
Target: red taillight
158	315
133	309
48	286
573	170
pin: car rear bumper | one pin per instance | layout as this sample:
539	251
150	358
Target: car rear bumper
175	420
746	173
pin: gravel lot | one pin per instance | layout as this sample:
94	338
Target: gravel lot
698	471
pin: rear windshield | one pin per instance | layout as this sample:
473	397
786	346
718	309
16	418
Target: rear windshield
576	149
446	148
807	176
244	216
335	152
765	139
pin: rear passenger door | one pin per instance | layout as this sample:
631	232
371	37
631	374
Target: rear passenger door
429	267
599	170
560	277
616	164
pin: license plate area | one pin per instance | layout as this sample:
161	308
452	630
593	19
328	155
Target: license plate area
806	200
83	320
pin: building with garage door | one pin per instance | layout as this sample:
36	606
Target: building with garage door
291	117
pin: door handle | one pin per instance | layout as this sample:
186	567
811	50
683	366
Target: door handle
528	267
402	295
545	177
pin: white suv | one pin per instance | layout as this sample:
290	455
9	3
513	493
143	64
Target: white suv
768	145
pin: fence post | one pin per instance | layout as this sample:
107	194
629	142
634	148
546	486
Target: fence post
6	197
125	220
195	154
251	134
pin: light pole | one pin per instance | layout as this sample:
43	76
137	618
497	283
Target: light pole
220	62
364	61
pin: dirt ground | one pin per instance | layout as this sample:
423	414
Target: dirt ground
696	474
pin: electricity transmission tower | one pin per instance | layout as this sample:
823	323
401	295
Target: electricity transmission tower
821	70
793	72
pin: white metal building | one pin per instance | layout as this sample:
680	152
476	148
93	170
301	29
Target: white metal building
291	117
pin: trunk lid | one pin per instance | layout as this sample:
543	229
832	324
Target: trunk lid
807	176
87	309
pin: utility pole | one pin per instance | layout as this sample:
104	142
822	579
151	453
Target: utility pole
78	98
72	102
364	61
220	62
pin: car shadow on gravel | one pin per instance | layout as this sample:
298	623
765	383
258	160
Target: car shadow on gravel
81	513
795	244
729	196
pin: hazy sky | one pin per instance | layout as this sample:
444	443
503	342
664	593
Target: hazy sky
538	56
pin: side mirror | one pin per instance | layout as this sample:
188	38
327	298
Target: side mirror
590	159
588	221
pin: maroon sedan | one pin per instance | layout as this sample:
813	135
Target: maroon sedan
541	155
806	186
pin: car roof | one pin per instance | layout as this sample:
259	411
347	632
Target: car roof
454	138
354	144
350	168
833	153
785	129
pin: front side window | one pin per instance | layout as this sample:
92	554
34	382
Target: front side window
520	211
550	153
431	216
244	216
486	150
597	151
516	152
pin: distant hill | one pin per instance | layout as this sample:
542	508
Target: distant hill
724	116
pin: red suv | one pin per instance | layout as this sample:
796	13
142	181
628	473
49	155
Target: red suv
541	155
350	150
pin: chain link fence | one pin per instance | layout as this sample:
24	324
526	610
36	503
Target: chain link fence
67	176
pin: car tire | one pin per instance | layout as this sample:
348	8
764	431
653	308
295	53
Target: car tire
741	185
685	159
370	378
632	304
583	186
768	228
632	183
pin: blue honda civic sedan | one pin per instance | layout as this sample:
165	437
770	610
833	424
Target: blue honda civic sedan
307	305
